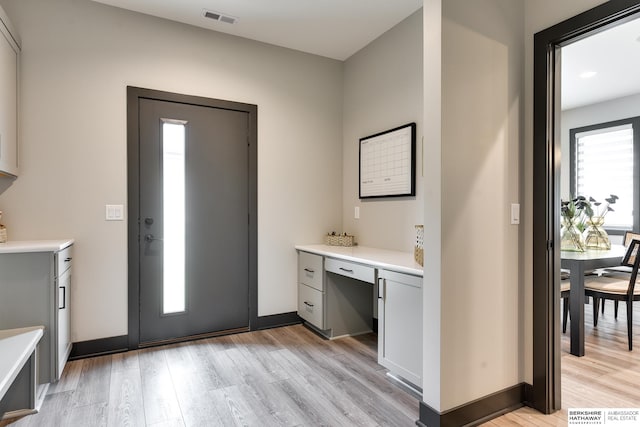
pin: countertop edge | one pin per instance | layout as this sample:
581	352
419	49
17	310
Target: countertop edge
24	246
373	260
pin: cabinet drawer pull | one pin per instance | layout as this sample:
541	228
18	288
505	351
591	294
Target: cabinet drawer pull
308	270
347	270
308	304
64	298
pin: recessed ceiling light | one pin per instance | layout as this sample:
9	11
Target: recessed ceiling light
588	74
217	16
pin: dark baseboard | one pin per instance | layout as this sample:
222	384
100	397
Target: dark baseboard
120	343
528	395
277	320
475	412
99	347
374	326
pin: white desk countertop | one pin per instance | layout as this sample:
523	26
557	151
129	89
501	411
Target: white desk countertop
16	346
402	262
21	246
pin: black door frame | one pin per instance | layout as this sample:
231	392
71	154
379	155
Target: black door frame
134	94
546	190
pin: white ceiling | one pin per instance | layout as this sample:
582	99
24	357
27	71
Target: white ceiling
339	28
613	54
332	28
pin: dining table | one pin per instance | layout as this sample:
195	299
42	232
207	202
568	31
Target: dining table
578	263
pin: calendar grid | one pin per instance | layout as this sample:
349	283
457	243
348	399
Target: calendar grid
386	163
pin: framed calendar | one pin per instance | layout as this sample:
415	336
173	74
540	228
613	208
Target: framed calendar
387	163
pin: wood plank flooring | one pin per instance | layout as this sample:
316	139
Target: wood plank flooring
608	376
289	377
278	377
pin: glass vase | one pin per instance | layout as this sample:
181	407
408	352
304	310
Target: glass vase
595	236
570	237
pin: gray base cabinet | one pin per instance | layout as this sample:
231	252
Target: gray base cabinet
400	325
334	296
35	289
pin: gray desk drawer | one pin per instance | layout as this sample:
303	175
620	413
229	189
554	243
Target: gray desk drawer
310	270
64	260
351	269
311	305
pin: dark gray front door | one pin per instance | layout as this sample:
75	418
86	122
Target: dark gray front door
193	226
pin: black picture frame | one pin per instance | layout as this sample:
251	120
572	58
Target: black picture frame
387	166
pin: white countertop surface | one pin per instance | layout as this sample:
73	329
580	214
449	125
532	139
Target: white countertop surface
402	262
20	246
16	346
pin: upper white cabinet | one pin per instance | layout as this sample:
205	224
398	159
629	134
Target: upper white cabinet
9	50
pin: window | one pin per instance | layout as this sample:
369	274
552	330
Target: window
604	161
173	200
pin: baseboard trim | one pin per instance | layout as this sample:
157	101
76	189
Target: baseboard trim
99	347
476	412
528	395
277	320
118	344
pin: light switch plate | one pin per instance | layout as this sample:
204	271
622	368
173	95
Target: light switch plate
356	212
515	213
114	212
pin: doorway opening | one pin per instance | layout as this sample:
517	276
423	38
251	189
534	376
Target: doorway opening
546	396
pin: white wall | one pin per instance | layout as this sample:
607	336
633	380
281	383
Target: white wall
601	112
486	346
383	90
482	101
78	57
473	103
539	15
432	159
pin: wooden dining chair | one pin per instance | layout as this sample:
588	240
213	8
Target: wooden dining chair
565	292
626	240
617	286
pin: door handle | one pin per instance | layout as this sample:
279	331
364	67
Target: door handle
149	238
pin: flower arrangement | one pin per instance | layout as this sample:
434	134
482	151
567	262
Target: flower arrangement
595	236
572	224
582	221
599	211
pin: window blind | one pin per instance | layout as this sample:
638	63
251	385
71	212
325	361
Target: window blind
604	166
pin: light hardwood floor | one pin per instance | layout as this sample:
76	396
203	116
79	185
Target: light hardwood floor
608	376
290	376
278	377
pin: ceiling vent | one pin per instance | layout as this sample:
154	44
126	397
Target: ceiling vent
217	16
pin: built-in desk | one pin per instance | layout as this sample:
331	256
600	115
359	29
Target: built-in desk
346	290
401	262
